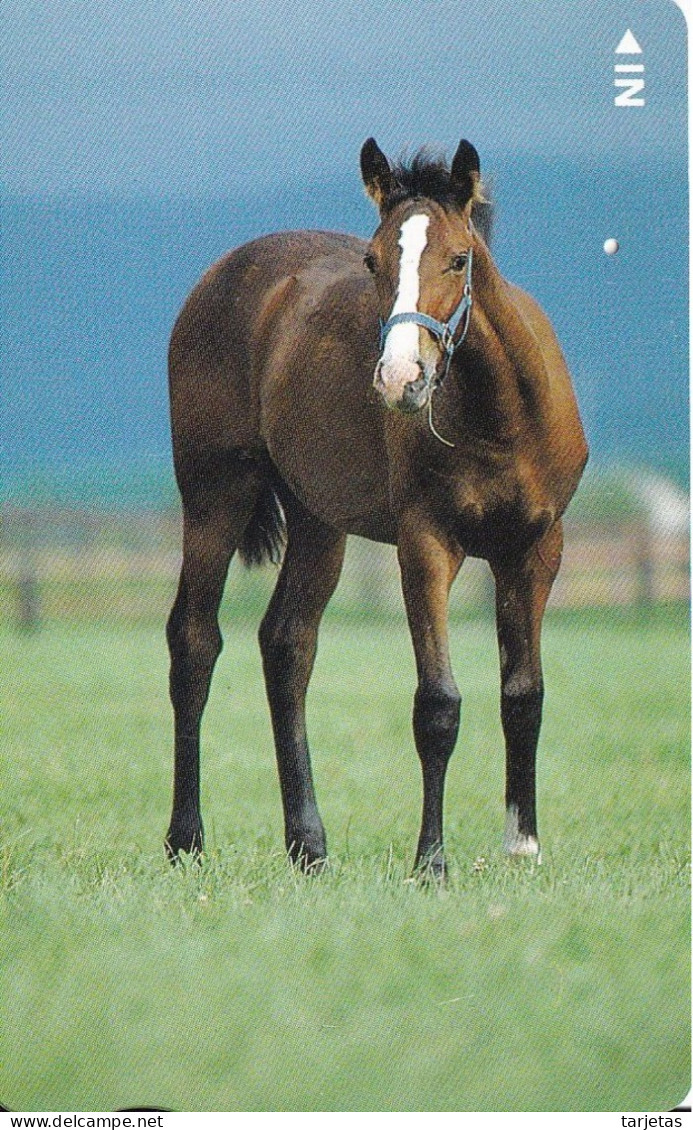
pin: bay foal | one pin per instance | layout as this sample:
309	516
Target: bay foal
400	390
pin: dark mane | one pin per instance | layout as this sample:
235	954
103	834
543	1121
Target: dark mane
423	175
426	175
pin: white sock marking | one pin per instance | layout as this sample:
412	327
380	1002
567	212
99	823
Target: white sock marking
515	842
402	342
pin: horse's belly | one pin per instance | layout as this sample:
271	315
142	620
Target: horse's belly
325	442
324	439
335	483
319	419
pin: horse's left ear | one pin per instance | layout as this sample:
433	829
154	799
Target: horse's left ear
465	173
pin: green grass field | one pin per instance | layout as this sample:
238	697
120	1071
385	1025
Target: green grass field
240	985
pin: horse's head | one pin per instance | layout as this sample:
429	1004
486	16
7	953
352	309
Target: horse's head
421	260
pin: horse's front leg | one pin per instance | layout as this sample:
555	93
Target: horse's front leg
429	564
522	590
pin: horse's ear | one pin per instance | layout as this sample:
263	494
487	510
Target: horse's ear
376	172
465	173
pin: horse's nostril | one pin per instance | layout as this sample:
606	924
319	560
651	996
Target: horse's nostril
413	394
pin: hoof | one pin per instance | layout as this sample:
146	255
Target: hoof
431	868
180	842
308	854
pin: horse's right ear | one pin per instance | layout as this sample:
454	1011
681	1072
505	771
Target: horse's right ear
376	172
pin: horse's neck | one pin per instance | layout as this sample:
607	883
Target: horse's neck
507	377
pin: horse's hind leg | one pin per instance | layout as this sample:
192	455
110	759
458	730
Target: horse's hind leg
214	519
288	641
522	590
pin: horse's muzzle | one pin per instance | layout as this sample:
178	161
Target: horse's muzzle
415	396
403	386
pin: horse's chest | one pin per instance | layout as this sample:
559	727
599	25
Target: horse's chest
496	515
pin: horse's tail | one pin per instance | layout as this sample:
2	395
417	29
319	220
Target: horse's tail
264	539
483	214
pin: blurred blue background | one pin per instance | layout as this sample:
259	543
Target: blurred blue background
142	140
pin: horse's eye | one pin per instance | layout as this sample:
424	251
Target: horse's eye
369	262
458	263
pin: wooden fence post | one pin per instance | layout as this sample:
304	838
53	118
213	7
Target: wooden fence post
28	592
645	569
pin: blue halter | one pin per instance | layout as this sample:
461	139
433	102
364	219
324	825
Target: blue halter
444	331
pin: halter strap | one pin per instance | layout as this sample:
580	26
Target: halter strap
444	331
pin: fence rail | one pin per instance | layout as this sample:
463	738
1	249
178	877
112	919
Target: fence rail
57	562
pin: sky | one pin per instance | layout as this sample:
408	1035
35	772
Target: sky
165	97
140	139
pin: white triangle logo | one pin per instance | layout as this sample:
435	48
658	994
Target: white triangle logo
628	45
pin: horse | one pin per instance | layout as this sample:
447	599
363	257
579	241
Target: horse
400	390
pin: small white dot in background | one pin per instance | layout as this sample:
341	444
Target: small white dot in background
611	246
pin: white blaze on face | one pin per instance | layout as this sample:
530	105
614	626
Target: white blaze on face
402	342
